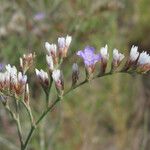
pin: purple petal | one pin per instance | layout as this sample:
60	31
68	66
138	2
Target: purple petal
97	57
88	55
87	63
89	49
80	53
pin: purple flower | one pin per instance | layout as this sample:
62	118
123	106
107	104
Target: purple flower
89	57
39	16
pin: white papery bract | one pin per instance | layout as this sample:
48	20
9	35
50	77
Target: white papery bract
134	53
117	58
51	48
27	95
68	40
2	77
12	81
75	67
104	53
64	42
50	63
11	70
27	89
56	75
42	75
144	58
61	42
22	79
75	73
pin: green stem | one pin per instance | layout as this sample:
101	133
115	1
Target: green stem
38	121
17	121
28	137
47	98
19	132
29	112
47	110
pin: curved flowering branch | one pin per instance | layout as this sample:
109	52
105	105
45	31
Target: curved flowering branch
14	83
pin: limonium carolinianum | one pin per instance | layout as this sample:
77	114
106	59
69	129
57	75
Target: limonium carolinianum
14	84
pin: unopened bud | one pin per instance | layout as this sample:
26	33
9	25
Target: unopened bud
75	73
104	58
132	60
26	62
117	58
52	51
50	63
57	77
63	44
26	95
143	63
43	77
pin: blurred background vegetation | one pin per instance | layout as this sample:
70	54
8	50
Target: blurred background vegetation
110	113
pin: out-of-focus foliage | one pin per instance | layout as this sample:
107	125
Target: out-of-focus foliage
108	113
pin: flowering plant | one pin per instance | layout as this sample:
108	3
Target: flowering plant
14	83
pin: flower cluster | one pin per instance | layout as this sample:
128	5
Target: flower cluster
42	77
57	53
54	57
139	62
26	62
12	81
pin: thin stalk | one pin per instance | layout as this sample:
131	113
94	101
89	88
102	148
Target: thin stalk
19	132
28	137
29	112
17	120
